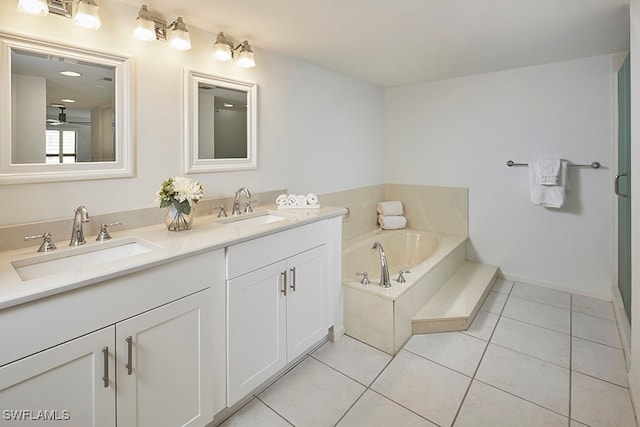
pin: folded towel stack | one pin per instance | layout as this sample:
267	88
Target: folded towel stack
548	179
297	201
391	215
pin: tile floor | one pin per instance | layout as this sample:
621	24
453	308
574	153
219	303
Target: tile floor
532	357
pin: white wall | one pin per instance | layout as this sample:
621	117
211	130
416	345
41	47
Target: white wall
318	131
29	123
460	132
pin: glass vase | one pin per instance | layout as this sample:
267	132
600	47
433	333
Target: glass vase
178	221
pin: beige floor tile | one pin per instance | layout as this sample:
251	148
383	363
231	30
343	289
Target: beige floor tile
487	406
535	341
532	379
312	394
424	387
374	410
593	307
483	325
255	413
494	302
353	358
596	329
454	350
599	360
544	315
502	286
598	403
542	295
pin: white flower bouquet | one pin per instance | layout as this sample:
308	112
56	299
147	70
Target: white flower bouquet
180	195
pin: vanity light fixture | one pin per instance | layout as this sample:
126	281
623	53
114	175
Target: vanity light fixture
150	28
223	50
87	15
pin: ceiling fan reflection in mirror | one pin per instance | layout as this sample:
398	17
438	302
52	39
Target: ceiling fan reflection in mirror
62	118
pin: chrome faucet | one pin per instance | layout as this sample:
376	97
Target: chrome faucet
384	268
77	234
236	201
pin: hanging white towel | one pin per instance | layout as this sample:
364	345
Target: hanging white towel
551	196
392	222
390	208
547	170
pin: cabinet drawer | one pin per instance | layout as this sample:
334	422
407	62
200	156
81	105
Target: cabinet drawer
49	321
249	256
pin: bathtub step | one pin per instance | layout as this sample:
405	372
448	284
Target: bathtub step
455	305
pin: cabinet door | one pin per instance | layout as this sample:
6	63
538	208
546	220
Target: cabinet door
256	341
164	365
64	383
306	300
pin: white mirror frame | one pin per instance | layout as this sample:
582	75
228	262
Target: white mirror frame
28	173
192	162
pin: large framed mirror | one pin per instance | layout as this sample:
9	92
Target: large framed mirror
220	123
67	113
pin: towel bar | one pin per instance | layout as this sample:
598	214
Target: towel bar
595	165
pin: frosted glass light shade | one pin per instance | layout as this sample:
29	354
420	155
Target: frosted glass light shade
87	15
34	7
245	59
222	52
145	30
180	39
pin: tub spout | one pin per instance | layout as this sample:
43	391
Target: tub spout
384	268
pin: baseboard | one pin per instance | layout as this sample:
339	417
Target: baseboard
557	286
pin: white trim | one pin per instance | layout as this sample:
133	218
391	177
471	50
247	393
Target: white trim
192	162
124	148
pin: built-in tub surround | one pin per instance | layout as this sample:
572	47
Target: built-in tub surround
380	316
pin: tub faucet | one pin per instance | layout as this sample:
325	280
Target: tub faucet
77	234
384	268
236	201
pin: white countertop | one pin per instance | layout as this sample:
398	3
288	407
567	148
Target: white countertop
207	233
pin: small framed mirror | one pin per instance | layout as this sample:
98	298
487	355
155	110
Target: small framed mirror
67	113
220	124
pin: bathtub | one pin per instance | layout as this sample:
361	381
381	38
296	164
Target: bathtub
380	316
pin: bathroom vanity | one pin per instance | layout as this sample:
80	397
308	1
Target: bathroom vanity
172	334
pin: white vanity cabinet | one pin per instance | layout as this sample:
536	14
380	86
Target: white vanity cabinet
277	304
148	362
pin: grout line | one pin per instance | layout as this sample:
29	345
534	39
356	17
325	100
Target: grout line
276	412
473	377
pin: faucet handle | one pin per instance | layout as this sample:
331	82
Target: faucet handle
365	278
222	213
47	245
401	274
104	233
247	207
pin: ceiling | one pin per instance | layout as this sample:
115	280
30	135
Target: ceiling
398	42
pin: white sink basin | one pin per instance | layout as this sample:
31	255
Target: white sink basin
254	219
79	258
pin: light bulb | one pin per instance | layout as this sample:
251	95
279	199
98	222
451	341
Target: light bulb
245	57
222	52
179	37
145	27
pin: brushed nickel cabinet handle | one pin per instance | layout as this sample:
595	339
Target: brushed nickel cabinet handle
105	355
284	281
129	354
616	185
293	279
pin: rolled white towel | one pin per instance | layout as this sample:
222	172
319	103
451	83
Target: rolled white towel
392	222
281	200
312	199
292	200
392	208
302	200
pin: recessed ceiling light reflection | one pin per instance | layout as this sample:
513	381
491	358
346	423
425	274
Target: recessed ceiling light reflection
70	73
68	100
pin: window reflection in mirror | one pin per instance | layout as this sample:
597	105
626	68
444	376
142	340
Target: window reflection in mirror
220	123
62	109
